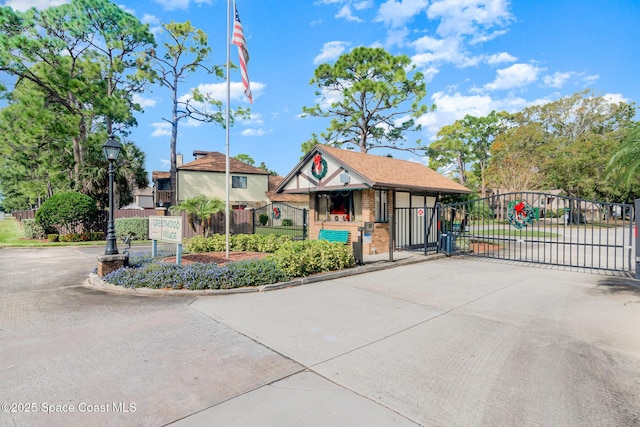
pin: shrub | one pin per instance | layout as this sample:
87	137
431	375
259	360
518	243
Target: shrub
237	242
254	272
263	218
198	276
32	230
65	211
302	258
133	228
140	259
52	237
97	235
243	243
287	222
70	237
199	244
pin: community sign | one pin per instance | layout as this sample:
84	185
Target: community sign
166	228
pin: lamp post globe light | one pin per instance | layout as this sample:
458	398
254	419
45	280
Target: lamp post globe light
111	150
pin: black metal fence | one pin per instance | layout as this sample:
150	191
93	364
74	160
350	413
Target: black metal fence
281	219
542	228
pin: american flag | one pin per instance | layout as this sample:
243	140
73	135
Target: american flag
243	53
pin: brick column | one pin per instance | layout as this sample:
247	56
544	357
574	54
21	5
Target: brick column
109	263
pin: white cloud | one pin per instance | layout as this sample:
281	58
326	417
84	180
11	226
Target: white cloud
590	79
161	129
331	51
256	119
469	16
454	106
558	79
434	51
616	98
165	163
345	12
517	75
23	5
396	13
154	23
429	73
498	58
218	91
191	123
365	4
144	102
253	132
396	37
173	4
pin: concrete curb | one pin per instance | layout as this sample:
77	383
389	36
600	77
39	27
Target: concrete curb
96	282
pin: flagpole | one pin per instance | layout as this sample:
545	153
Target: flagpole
227	113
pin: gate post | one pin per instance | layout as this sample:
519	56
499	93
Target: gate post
253	221
636	209
439	211
392	236
304	224
425	229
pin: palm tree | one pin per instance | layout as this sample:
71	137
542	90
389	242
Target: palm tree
129	173
625	163
199	208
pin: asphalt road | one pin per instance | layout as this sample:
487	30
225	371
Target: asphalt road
446	342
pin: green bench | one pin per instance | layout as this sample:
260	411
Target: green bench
340	236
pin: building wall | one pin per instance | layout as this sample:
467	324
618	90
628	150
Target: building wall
211	184
380	237
145	201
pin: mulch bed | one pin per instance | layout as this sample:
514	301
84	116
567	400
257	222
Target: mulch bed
479	248
217	257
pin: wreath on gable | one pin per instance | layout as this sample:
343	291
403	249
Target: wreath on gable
520	214
319	167
276	213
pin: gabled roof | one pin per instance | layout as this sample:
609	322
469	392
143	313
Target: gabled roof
156	175
214	161
373	171
274	181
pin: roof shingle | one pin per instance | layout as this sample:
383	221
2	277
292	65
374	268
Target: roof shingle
394	173
216	162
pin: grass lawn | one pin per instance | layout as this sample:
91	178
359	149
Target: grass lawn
513	233
11	235
10	232
294	232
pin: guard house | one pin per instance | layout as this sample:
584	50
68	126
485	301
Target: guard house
347	189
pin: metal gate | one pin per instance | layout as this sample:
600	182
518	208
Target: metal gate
542	228
281	219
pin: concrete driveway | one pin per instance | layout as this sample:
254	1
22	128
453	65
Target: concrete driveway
445	342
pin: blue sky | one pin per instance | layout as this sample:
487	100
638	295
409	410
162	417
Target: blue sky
477	55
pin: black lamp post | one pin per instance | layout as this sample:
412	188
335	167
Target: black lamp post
111	150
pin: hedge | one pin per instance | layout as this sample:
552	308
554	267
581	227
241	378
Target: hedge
237	243
133	228
306	257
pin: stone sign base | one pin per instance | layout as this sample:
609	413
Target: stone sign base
109	263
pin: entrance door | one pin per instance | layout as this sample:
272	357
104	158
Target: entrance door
416	221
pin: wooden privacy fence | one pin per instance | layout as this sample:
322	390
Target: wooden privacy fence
241	222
